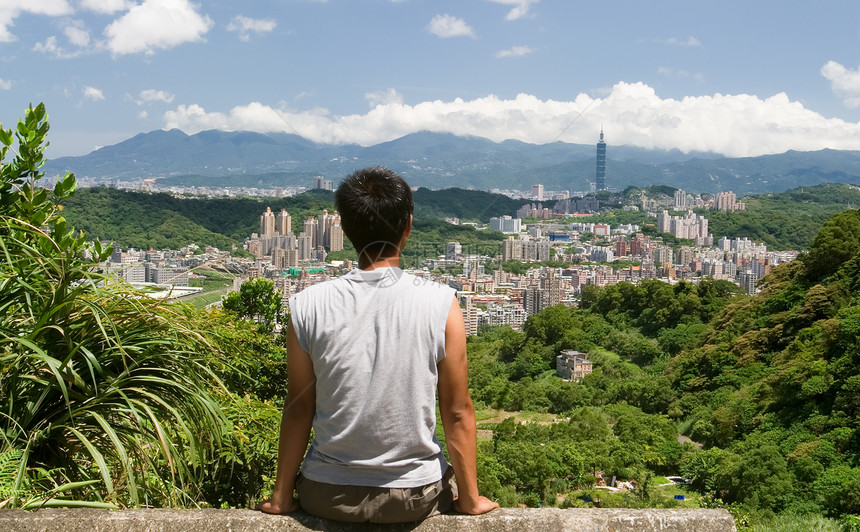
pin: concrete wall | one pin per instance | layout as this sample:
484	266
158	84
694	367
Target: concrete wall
502	520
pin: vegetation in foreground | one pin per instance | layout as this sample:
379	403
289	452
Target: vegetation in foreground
109	398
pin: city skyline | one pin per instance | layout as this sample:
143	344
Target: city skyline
737	79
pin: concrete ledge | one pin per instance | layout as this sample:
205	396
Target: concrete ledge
502	520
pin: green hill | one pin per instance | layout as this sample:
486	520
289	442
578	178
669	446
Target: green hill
785	220
162	221
779	374
768	386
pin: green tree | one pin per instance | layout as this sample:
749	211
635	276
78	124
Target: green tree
762	478
837	490
837	241
258	300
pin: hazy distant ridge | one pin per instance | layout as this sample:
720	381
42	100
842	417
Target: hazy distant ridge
438	160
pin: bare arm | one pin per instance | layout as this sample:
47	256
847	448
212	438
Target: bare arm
458	417
299	408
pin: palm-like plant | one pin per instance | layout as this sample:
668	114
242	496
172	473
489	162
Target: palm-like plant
100	386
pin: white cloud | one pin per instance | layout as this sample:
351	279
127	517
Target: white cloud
244	26
5	85
844	82
156	24
446	26
632	113
252	117
675	41
383	97
152	95
106	7
516	51
520	9
93	93
11	9
48	47
77	35
143	115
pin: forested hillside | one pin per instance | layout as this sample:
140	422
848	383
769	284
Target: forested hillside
787	220
769	386
161	221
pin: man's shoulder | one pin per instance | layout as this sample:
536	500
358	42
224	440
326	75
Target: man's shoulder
318	288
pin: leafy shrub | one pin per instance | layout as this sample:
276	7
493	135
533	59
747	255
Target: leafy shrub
105	393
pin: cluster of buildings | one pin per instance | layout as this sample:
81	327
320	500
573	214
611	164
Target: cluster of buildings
168	273
166	267
319	182
276	241
722	201
535	211
690	226
154	185
496	297
727	201
295	261
500	298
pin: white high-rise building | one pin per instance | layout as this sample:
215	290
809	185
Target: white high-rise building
336	236
267	223
305	246
506	224
284	223
470	318
680	200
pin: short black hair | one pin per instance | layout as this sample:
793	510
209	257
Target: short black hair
374	206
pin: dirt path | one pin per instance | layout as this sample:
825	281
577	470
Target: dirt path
501	415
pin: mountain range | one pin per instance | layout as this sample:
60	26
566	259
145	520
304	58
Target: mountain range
440	160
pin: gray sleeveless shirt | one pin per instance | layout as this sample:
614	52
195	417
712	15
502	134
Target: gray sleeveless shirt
375	338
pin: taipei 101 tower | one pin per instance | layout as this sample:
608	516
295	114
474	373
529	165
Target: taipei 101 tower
601	163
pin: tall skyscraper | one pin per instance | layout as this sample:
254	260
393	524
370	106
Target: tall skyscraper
470	318
601	163
680	200
310	230
284	223
336	236
305	246
267	223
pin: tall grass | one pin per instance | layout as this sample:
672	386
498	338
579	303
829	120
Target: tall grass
797	523
105	396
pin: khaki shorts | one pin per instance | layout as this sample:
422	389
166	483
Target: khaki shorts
357	504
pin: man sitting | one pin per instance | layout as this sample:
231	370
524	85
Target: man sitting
366	354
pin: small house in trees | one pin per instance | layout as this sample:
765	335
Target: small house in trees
572	365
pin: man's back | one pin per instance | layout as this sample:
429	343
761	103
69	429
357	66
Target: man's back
366	354
375	339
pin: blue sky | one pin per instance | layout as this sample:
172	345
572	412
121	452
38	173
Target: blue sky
740	78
